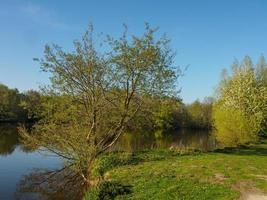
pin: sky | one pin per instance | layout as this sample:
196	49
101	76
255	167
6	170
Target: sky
207	35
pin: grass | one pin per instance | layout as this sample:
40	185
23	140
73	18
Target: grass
221	175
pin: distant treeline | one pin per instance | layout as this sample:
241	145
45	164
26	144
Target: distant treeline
171	114
16	106
157	113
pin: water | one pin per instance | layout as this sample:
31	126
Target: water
16	161
181	139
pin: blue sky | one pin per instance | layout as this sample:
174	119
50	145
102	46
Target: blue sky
207	35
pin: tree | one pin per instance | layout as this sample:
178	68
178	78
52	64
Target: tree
261	75
95	94
233	127
261	71
200	113
31	102
166	113
241	109
9	104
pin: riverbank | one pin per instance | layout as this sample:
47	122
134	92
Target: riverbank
237	173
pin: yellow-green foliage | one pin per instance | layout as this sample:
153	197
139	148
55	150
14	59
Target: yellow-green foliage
233	128
241	110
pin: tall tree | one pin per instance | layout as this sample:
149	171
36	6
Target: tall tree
241	110
94	94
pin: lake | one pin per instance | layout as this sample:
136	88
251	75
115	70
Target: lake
16	161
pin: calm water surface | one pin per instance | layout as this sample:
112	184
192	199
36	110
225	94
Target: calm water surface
16	161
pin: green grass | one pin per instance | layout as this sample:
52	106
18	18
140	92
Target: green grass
220	175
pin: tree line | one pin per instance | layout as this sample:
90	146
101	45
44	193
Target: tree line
165	114
16	106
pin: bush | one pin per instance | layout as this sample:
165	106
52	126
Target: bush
263	134
107	190
233	128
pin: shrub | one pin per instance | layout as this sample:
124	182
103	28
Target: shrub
107	190
233	128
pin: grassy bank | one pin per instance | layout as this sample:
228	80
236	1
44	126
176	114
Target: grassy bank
227	174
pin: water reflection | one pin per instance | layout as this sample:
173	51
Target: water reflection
8	139
184	138
57	184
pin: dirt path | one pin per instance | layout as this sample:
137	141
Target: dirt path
252	196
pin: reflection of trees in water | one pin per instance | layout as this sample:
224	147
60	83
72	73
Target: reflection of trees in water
187	138
39	184
50	185
8	138
129	142
135	141
184	138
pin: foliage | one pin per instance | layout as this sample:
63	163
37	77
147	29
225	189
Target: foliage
94	94
233	127
261	71
16	106
161	115
261	75
9	104
109	161
242	102
165	114
156	114
31	102
107	190
200	113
